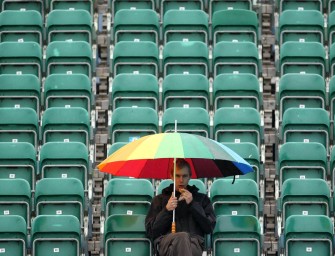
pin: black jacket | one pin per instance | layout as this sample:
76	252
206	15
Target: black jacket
197	218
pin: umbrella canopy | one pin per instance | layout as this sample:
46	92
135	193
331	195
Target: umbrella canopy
152	157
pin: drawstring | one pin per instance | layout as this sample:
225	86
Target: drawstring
233	180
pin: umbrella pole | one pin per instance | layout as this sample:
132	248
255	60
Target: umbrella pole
173	225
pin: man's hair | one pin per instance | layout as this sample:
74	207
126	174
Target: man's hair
180	164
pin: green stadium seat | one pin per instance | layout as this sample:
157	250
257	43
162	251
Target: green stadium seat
331	27
190	120
118	5
66	125
235	26
131	90
136	25
185	58
237	90
309	235
65	160
219	5
20	91
21	26
301	91
15	199
293	164
185	25
167	5
303	58
193	182
115	146
303	197
301	26
125	234
56	235
186	91
127	196
135	58
69	58
240	198
23	5
129	124
69	25
19	125
332	168
250	153
283	5
238	125
332	60
86	5
235	58
57	196
13	235
21	58
68	91
237	235
18	161
306	125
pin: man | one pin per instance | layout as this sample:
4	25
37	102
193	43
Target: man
194	216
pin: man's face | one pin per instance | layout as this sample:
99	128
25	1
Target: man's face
182	178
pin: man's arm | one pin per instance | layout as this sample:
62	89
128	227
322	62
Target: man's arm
203	214
158	220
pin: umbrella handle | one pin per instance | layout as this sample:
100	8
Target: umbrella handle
173	227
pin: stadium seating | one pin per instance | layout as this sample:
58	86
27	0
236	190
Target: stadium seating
186	91
87	5
283	5
331	27
23	5
237	90
129	123
218	5
20	91
136	25
134	90
191	120
166	5
117	5
185	25
21	26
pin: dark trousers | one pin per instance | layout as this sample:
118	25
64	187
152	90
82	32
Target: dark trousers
180	244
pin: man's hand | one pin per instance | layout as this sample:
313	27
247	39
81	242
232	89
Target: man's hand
185	195
172	203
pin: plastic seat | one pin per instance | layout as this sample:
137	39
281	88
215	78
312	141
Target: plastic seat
68	91
167	5
283	5
18	161
250	153
332	168
135	58
129	124
21	58
66	125
118	5
292	164
69	58
237	90
237	235
185	58
191	120
58	196
235	58
235	26
128	196
19	125
301	26
305	125
130	90
20	91
69	25
15	199
115	146
219	5
52	235
13	235
193	182
332	60
185	25
303	58
238	125
23	5
303	197
136	25
301	91
86	5
331	26
126	234
308	235
21	26
240	198
65	160
186	91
